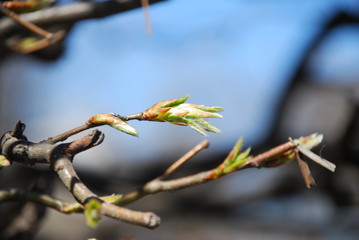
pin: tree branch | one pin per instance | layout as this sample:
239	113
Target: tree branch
63	167
60	159
30	26
16	194
72	13
261	160
67	134
184	158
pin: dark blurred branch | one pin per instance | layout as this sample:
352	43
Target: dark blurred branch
72	13
337	20
35	29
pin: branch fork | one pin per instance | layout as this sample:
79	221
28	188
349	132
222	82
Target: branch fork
60	159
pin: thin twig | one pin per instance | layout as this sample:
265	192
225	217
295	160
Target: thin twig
158	185
82	144
136	116
16	46
67	134
305	171
88	125
146	11
74	12
260	159
28	25
48	37
16	194
185	158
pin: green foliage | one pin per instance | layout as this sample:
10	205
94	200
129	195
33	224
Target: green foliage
93	212
177	112
115	198
174	102
234	160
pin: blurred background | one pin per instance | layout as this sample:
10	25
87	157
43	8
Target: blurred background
279	68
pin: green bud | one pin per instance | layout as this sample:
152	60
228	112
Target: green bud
93	212
113	121
177	112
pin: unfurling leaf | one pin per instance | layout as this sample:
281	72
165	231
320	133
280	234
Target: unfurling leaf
115	198
113	121
177	112
234	160
93	212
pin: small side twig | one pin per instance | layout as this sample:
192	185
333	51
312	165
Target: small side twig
91	140
184	158
28	25
16	194
67	134
260	160
146	10
305	171
48	37
18	46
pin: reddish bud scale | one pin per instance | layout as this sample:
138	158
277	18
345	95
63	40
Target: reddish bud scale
149	115
101	119
23	6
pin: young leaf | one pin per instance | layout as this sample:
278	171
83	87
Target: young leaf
239	160
177	112
93	212
234	160
174	102
115	198
113	121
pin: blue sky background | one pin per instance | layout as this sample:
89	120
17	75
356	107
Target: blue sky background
231	53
